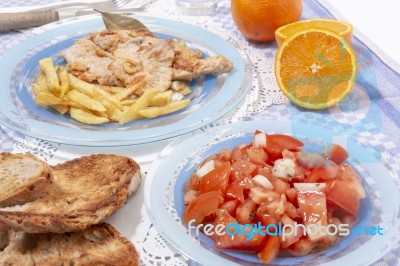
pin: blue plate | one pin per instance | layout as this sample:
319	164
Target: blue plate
211	98
169	174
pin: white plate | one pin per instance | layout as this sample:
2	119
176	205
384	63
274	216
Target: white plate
168	175
212	97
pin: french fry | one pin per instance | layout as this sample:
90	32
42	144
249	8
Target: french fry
47	67
152	112
128	92
49	99
113	113
36	88
132	112
62	109
81	86
96	113
46	98
102	95
161	98
112	89
86	117
85	101
64	81
92	90
41	81
128	102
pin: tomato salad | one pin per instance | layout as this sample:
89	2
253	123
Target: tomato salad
273	181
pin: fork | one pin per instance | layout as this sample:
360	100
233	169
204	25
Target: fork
102	5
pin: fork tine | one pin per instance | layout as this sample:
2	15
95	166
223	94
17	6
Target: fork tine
119	3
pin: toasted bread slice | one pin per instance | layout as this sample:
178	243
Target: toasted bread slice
23	178
100	244
85	191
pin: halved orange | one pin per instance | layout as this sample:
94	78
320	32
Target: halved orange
315	68
342	28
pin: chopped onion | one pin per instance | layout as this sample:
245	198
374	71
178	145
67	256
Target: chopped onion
284	168
310	159
309	186
260	140
205	169
327	152
263	181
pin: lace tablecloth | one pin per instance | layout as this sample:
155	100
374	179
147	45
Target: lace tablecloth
370	115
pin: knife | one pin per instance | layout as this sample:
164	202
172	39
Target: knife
20	20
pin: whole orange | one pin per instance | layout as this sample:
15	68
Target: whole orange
257	20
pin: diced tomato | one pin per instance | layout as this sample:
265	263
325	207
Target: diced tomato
276	206
281	185
276	143
268	219
327	171
238	241
257	155
291	194
289	154
300	173
230	206
329	185
273	157
313	210
204	205
193	183
241	169
347	190
265	171
292	211
290	236
224	155
331	239
270	249
236	189
331	207
245	212
302	247
216	180
260	195
239	153
347	173
344	196
336	153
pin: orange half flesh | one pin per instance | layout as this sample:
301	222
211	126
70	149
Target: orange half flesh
315	68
